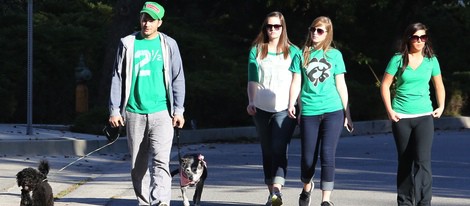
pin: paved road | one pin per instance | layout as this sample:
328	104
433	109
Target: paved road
365	174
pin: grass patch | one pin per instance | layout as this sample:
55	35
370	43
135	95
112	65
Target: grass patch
72	188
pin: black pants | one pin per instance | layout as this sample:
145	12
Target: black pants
413	138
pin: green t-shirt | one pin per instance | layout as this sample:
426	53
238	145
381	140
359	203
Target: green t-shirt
273	77
412	86
148	94
319	94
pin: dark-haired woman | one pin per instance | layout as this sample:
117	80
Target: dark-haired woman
412	113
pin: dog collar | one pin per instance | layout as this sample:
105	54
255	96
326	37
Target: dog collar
184	180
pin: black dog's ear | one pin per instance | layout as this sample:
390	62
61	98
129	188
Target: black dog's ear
19	178
111	133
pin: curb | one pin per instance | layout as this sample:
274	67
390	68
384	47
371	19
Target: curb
360	128
80	144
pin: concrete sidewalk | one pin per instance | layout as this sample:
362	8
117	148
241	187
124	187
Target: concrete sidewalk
366	166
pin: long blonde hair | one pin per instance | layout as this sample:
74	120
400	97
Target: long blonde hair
325	45
261	41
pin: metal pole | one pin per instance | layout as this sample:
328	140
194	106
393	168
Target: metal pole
29	130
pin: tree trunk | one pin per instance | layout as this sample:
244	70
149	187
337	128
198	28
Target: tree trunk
125	21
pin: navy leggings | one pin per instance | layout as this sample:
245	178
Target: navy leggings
413	138
320	134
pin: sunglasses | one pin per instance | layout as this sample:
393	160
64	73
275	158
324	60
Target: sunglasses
318	30
273	26
415	38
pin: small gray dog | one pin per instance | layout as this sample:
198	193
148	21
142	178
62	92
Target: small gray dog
193	172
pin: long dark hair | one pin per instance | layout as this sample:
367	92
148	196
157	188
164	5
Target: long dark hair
262	39
405	43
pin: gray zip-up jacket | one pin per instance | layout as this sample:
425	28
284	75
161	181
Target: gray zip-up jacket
122	78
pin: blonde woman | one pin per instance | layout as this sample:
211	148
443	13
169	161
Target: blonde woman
324	109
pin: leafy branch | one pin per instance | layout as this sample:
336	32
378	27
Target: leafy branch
362	59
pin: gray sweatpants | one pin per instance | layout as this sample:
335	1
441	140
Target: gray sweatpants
150	135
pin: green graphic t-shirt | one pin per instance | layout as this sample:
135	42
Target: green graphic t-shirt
319	94
148	94
412	86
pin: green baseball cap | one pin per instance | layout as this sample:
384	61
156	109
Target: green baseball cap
155	10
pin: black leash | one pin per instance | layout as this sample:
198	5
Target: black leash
177	134
112	134
110	143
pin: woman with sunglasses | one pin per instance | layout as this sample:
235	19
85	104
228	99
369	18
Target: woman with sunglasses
412	113
323	106
269	79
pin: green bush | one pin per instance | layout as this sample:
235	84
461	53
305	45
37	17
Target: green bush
458	93
91	122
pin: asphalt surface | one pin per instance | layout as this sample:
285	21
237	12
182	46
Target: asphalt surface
365	174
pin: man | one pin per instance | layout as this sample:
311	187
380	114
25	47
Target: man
147	95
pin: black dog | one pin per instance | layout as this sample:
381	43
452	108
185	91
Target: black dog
35	181
193	172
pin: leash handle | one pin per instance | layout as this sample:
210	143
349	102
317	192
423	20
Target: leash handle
177	135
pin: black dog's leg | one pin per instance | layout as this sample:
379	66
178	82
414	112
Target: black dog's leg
199	187
185	195
26	198
39	197
49	194
43	195
198	193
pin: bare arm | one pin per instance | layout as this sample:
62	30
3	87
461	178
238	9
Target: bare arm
343	94
440	95
251	90
294	94
386	97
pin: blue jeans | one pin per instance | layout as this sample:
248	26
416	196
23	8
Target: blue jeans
413	138
274	132
320	134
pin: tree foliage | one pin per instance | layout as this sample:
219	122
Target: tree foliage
63	30
214	37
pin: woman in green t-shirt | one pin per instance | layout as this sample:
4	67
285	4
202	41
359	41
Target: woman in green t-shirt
269	79
412	113
323	107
